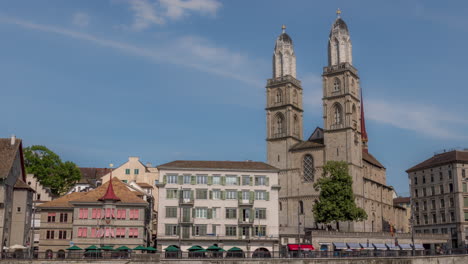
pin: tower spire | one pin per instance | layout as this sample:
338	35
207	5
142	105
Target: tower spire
338	13
363	127
110	195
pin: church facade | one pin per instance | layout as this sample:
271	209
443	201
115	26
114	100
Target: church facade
342	138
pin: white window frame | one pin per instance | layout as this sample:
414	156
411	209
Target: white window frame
171	179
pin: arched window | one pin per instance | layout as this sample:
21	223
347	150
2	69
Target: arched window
336	85
301	207
354	117
308	167
294	97
279	126
279	96
337	114
296	125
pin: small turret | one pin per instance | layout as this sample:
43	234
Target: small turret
284	59
339	43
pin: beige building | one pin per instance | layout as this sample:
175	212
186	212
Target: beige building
111	215
439	195
15	196
342	138
228	203
405	202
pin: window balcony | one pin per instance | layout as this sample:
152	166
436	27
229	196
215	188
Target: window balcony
186	201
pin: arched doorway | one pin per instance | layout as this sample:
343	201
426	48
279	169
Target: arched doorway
61	254
261	253
49	254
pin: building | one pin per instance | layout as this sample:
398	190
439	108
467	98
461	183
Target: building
111	215
342	138
90	179
15	195
228	203
404	202
439	195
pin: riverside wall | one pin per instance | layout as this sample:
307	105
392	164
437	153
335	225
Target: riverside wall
460	259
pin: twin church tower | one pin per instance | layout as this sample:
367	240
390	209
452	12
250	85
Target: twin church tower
342	138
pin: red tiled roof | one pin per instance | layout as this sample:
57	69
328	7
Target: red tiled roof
144	185
371	159
120	189
109	195
441	159
63	201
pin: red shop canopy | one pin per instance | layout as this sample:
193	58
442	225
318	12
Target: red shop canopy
304	247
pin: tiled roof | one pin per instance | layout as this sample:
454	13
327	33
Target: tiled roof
120	189
63	201
227	165
371	159
20	184
144	185
7	155
400	200
90	175
441	159
306	145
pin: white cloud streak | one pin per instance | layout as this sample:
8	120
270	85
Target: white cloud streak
147	13
81	19
191	52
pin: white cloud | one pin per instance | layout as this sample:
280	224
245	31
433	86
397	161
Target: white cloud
425	119
176	9
144	14
81	19
147	13
191	52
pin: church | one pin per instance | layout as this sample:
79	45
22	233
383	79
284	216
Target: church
343	137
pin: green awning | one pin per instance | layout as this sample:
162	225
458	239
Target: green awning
93	247
194	248
122	248
214	248
150	249
93	251
235	249
107	248
199	250
172	249
74	248
140	248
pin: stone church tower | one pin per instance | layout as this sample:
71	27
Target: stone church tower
342	138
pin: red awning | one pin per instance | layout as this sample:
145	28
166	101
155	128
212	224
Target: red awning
304	247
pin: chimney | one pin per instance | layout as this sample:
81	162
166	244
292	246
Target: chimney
13	140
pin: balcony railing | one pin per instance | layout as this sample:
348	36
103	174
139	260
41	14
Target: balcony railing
248	202
186	201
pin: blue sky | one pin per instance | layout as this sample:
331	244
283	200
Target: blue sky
98	81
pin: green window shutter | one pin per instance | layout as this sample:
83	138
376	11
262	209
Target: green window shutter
164	179
193	212
239	195
251	181
267	196
223	195
465	202
239	215
211	194
251	215
191	195
180	179
210	213
223	180
210	180
464	187
168	230
252	197
238	180
267	181
178	230
193	180
193	230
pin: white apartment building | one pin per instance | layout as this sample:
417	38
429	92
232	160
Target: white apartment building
223	203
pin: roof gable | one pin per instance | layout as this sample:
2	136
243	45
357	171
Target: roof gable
8	153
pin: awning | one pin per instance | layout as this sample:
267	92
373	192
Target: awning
303	247
354	245
405	246
379	246
364	246
392	246
418	247
339	245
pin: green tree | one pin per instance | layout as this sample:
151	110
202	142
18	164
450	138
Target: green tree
50	170
336	199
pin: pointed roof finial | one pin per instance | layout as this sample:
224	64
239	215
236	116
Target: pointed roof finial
110	195
283	28
338	13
